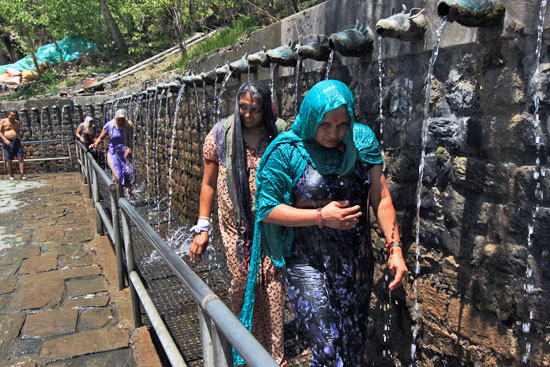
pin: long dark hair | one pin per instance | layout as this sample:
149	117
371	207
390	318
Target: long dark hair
260	92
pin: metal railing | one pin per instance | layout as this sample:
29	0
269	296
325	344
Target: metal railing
64	141
219	327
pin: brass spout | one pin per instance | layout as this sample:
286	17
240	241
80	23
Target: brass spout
404	26
209	77
316	49
258	58
356	41
242	65
284	55
222	70
472	13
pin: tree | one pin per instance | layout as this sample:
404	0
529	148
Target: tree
115	31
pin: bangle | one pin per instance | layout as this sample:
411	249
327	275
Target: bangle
319	218
392	244
206	218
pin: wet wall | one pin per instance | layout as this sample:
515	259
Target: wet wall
478	290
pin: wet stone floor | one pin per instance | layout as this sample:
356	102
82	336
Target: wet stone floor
59	299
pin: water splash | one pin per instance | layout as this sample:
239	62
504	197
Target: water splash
416	313
296	84
222	90
171	163
529	284
329	63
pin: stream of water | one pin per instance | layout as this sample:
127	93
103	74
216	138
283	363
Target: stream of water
416	312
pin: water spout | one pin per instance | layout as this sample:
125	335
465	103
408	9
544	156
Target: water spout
472	13
354	42
316	49
285	55
209	77
242	65
404	26
258	58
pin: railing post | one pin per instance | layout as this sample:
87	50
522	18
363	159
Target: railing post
95	190
215	352
116	239
89	171
70	155
136	307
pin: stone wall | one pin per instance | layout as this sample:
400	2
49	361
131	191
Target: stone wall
474	279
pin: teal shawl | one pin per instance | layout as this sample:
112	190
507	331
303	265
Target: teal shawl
284	162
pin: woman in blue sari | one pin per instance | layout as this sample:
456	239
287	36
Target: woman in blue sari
314	187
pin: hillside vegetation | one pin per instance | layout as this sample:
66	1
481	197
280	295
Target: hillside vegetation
126	32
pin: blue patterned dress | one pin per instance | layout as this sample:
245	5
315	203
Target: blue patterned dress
329	273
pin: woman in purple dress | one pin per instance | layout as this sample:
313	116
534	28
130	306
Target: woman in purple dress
121	132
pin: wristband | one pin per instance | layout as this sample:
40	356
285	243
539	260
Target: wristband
206	218
203	225
392	244
319	218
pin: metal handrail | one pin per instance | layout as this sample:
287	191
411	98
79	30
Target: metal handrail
220	328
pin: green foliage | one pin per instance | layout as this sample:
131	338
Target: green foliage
226	37
486	306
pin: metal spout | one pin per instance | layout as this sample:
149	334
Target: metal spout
174	86
209	77
258	58
316	49
356	41
404	26
242	65
472	13
222	70
284	55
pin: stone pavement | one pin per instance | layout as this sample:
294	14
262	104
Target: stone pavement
59	300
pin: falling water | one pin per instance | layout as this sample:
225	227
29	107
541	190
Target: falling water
329	64
296	83
61	119
380	85
147	138
538	172
204	103
170	165
199	113
380	94
216	100
222	89
41	126
157	138
272	67
416	313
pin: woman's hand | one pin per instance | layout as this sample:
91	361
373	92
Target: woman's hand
398	269
198	246
338	215
93	145
128	153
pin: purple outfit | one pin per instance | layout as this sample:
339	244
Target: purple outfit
117	149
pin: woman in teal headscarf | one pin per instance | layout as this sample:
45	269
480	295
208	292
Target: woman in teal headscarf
314	186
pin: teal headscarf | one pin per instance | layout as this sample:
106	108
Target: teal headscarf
284	162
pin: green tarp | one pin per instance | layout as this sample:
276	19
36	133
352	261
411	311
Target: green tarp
71	47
